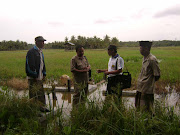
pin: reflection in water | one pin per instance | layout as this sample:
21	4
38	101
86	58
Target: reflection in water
66	96
170	100
63	102
64	99
98	97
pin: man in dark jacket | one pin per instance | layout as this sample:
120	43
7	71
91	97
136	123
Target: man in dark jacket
36	71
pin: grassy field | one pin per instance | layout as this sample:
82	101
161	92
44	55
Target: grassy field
20	115
58	62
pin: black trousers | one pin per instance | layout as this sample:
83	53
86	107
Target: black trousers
114	86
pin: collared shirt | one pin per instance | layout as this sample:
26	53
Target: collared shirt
146	80
40	77
79	63
112	66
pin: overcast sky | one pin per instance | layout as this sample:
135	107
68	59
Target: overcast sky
128	20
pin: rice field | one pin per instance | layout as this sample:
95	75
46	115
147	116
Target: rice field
20	115
57	62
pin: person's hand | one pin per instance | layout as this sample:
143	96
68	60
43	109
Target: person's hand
106	73
98	71
86	69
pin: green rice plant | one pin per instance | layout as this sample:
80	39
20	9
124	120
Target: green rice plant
94	116
14	111
114	118
58	62
20	115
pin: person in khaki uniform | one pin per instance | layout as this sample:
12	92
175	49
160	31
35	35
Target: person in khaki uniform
80	68
150	73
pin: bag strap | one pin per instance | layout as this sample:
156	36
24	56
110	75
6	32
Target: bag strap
124	65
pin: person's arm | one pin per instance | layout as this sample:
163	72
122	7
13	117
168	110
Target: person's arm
30	65
80	71
88	65
156	69
74	69
101	70
113	72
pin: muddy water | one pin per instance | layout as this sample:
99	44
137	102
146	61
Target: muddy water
64	99
170	100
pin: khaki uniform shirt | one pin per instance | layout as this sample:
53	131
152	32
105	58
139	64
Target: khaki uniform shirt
80	64
146	80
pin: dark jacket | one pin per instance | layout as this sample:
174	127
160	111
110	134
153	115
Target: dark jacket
33	60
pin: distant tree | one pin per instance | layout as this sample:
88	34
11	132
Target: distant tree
55	45
81	41
115	41
106	41
13	45
88	42
66	39
73	39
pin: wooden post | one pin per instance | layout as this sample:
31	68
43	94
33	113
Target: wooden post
105	77
90	75
69	85
54	96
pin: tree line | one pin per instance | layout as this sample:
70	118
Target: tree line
13	45
88	43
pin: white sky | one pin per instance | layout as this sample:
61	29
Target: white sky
128	20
